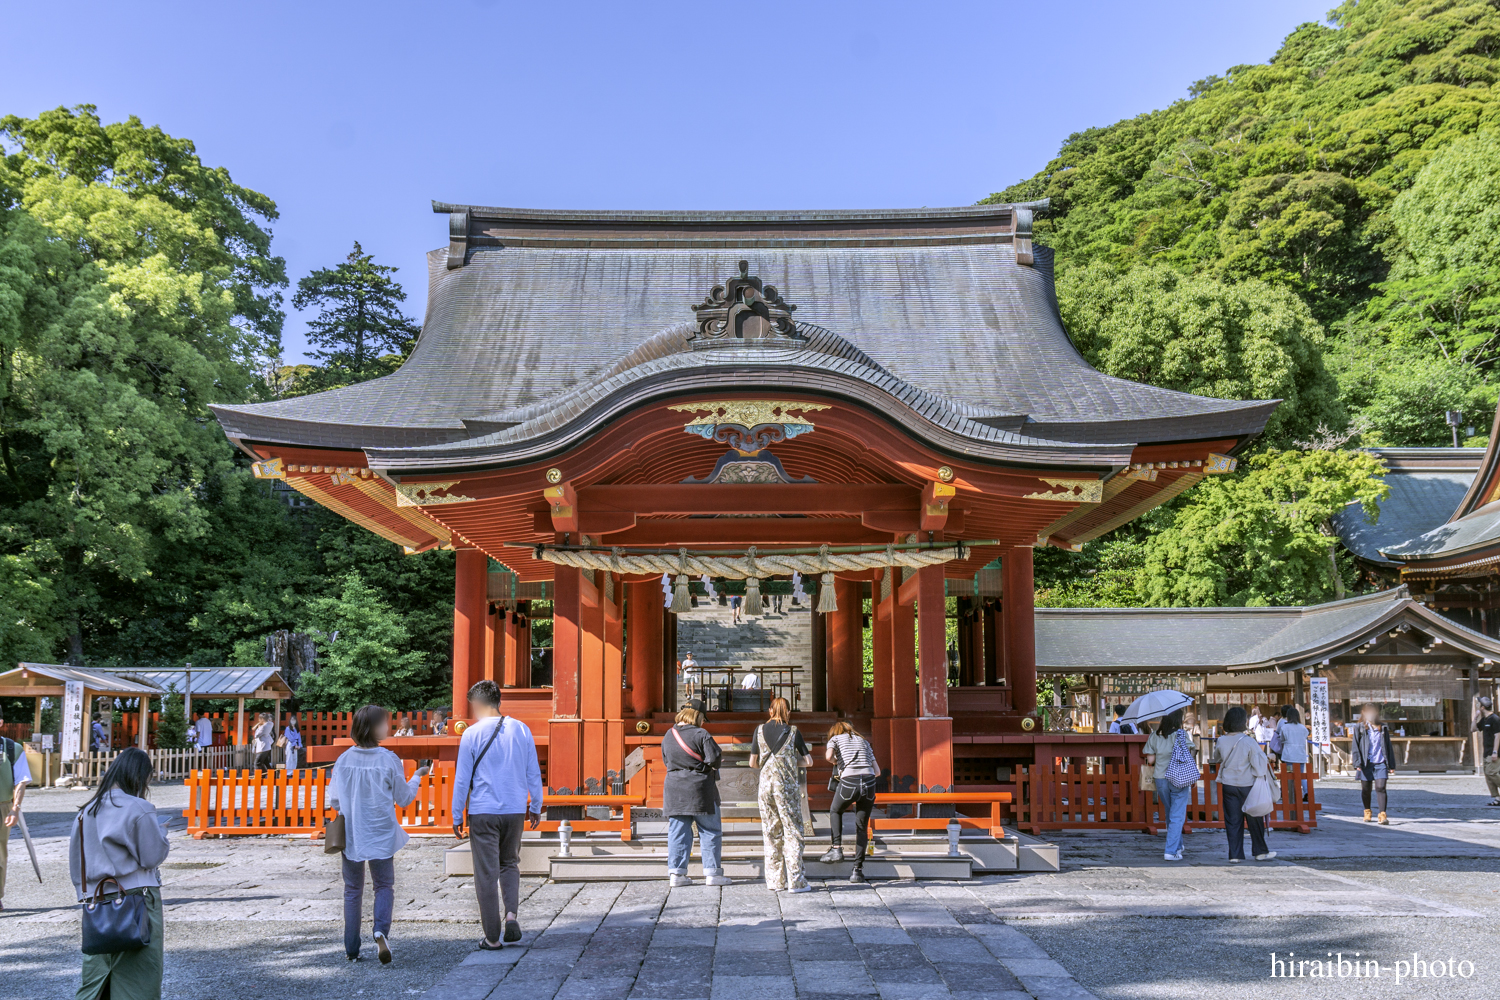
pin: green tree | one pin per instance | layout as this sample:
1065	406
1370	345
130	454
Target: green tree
1263	536
171	721
136	287
1196	334
362	659
361	330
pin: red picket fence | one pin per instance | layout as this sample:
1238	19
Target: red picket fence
1110	799
18	731
227	803
258	803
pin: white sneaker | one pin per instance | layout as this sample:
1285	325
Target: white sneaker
1172	857
1266	856
1235	861
718	880
676	880
804	887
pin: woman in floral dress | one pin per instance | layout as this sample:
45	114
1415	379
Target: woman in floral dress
779	752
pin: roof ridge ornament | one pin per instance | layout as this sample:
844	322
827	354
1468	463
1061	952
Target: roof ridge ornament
745	312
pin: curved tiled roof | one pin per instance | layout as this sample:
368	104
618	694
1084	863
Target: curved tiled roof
1426	486
1079	640
544	322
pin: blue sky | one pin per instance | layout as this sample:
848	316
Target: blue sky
354	117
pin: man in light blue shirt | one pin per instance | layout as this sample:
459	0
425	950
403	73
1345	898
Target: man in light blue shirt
498	784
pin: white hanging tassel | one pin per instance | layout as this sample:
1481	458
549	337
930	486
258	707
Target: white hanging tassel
752	586
682	601
799	595
666	590
826	601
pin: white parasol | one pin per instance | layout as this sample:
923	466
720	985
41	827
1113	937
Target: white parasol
1155	705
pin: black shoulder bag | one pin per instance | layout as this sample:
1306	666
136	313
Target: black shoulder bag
115	925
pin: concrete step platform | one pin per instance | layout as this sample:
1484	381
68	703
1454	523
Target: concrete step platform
622	867
916	855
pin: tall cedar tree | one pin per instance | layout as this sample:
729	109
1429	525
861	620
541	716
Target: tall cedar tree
361	321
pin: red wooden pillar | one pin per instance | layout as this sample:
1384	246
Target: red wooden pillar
905	749
471	610
846	649
1019	613
993	650
934	727
565	729
881	626
643	646
511	674
614	680
591	682
494	648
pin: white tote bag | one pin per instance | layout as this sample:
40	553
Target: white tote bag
1259	802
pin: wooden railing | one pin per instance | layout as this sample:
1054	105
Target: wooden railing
170	765
227	803
990	823
624	825
1110	799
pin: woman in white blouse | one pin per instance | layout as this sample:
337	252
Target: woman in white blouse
367	784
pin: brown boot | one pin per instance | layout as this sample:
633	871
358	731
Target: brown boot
1384	821
1368	818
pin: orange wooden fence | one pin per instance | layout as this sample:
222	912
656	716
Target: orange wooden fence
226	803
990	823
1110	799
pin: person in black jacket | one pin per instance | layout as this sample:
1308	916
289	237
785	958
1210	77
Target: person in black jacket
690	795
1370	753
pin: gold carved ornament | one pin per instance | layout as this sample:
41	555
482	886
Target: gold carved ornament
271	468
747	412
425	494
1219	464
1071	491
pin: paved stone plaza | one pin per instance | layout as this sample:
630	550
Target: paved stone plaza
260	918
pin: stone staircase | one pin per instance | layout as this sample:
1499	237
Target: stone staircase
709	632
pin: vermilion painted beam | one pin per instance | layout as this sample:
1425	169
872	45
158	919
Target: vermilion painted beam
589	522
906	594
709	531
901	522
750	498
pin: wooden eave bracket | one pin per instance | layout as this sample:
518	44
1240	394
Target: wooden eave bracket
593	522
934	509
563	500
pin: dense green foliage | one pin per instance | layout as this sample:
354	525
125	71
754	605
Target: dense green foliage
137	287
1320	229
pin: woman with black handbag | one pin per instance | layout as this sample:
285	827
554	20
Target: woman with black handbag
116	847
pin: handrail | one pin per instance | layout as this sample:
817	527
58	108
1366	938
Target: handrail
993	799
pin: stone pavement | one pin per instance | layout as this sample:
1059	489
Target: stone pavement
261	918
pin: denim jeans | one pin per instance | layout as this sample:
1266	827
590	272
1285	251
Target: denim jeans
383	874
1173	803
680	842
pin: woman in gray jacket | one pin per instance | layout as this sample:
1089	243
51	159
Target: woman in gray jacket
1241	761
117	836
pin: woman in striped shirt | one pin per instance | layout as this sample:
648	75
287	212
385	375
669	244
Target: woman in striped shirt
854	762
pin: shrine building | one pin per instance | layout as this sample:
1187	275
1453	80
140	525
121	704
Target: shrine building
866	405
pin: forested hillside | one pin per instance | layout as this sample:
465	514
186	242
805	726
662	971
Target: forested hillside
1323	228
